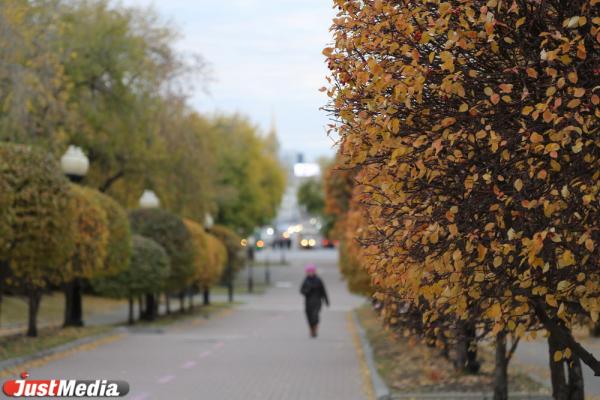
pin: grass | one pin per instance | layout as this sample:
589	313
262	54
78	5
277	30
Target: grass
407	365
21	345
14	309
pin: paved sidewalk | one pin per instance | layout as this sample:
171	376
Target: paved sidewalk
261	350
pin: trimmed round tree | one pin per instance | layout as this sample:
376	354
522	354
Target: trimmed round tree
170	232
88	259
148	270
235	256
41	221
201	257
217	259
119	246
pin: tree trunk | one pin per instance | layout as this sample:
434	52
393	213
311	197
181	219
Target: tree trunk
557	371
168	303
466	350
230	291
3	273
576	391
34	305
73	304
191	299
595	330
130	319
156	305
501	368
564	336
182	302
206	296
150	311
140	307
230	282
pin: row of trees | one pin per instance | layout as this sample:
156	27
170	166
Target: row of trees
107	78
55	233
471	128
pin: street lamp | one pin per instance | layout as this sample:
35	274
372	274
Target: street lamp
209	222
149	199
75	165
250	260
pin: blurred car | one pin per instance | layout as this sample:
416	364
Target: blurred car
308	242
329	243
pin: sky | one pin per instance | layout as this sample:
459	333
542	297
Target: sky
266	62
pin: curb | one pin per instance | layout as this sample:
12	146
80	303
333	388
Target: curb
382	392
467	396
15	362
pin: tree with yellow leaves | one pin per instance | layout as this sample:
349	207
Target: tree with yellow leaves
217	259
89	256
38	231
475	127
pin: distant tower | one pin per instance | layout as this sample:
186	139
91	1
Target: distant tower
272	139
300	158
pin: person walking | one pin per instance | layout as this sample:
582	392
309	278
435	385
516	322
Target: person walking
315	294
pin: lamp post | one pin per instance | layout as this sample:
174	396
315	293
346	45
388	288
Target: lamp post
209	222
150	200
75	165
250	258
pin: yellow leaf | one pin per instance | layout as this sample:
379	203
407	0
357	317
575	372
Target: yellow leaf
573	77
495	311
506	87
448	121
589	244
488	91
567	353
579	92
463	107
536	138
518	185
566	259
558	355
573	103
563	286
527	110
453	229
497	261
551	300
481	252
532	73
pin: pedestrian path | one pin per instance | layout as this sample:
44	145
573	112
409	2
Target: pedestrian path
260	350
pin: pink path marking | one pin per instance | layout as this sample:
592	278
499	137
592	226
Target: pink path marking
188	364
165	379
218	345
205	354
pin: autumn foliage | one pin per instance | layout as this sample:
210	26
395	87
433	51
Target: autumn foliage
474	124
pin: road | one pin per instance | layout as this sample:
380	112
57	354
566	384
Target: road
259	350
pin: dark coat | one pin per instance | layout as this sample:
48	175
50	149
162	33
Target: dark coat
315	294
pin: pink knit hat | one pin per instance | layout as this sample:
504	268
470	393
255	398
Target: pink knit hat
310	268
